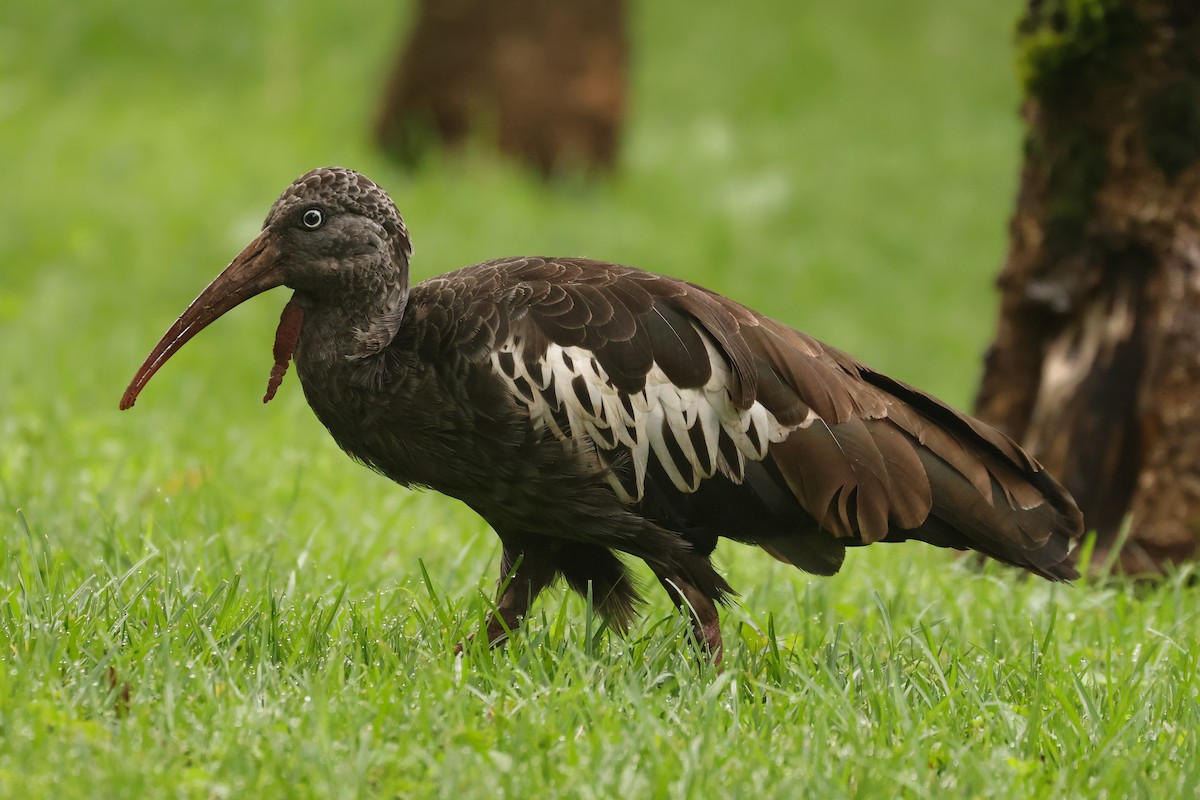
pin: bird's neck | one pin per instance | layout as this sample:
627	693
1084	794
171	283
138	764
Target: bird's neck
352	330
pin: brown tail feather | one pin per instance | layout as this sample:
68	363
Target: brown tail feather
886	462
1037	538
988	491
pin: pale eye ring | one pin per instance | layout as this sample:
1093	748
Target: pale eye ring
312	218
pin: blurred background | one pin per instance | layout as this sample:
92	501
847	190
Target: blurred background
846	168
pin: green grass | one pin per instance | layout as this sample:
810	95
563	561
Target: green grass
204	598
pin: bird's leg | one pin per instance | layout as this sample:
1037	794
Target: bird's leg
706	625
522	578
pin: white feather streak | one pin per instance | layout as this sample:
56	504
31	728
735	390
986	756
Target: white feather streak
604	423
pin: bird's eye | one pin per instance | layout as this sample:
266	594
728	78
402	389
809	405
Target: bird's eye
313	218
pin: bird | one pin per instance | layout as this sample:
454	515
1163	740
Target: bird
593	413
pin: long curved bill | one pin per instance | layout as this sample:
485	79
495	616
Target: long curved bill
253	272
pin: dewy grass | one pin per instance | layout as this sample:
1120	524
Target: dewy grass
203	598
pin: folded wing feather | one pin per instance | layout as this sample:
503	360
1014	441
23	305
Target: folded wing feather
630	367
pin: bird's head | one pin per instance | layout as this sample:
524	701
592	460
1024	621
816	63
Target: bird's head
337	239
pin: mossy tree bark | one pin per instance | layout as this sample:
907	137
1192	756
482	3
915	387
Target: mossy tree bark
542	79
1096	362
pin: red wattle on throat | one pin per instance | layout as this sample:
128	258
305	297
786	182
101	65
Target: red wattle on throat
286	336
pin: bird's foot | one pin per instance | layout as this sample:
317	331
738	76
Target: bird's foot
497	631
708	639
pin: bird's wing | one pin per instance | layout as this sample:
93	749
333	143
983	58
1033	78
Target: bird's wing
672	380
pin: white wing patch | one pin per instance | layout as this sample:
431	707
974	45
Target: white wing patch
691	433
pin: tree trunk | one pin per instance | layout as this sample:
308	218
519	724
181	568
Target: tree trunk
1096	363
543	79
